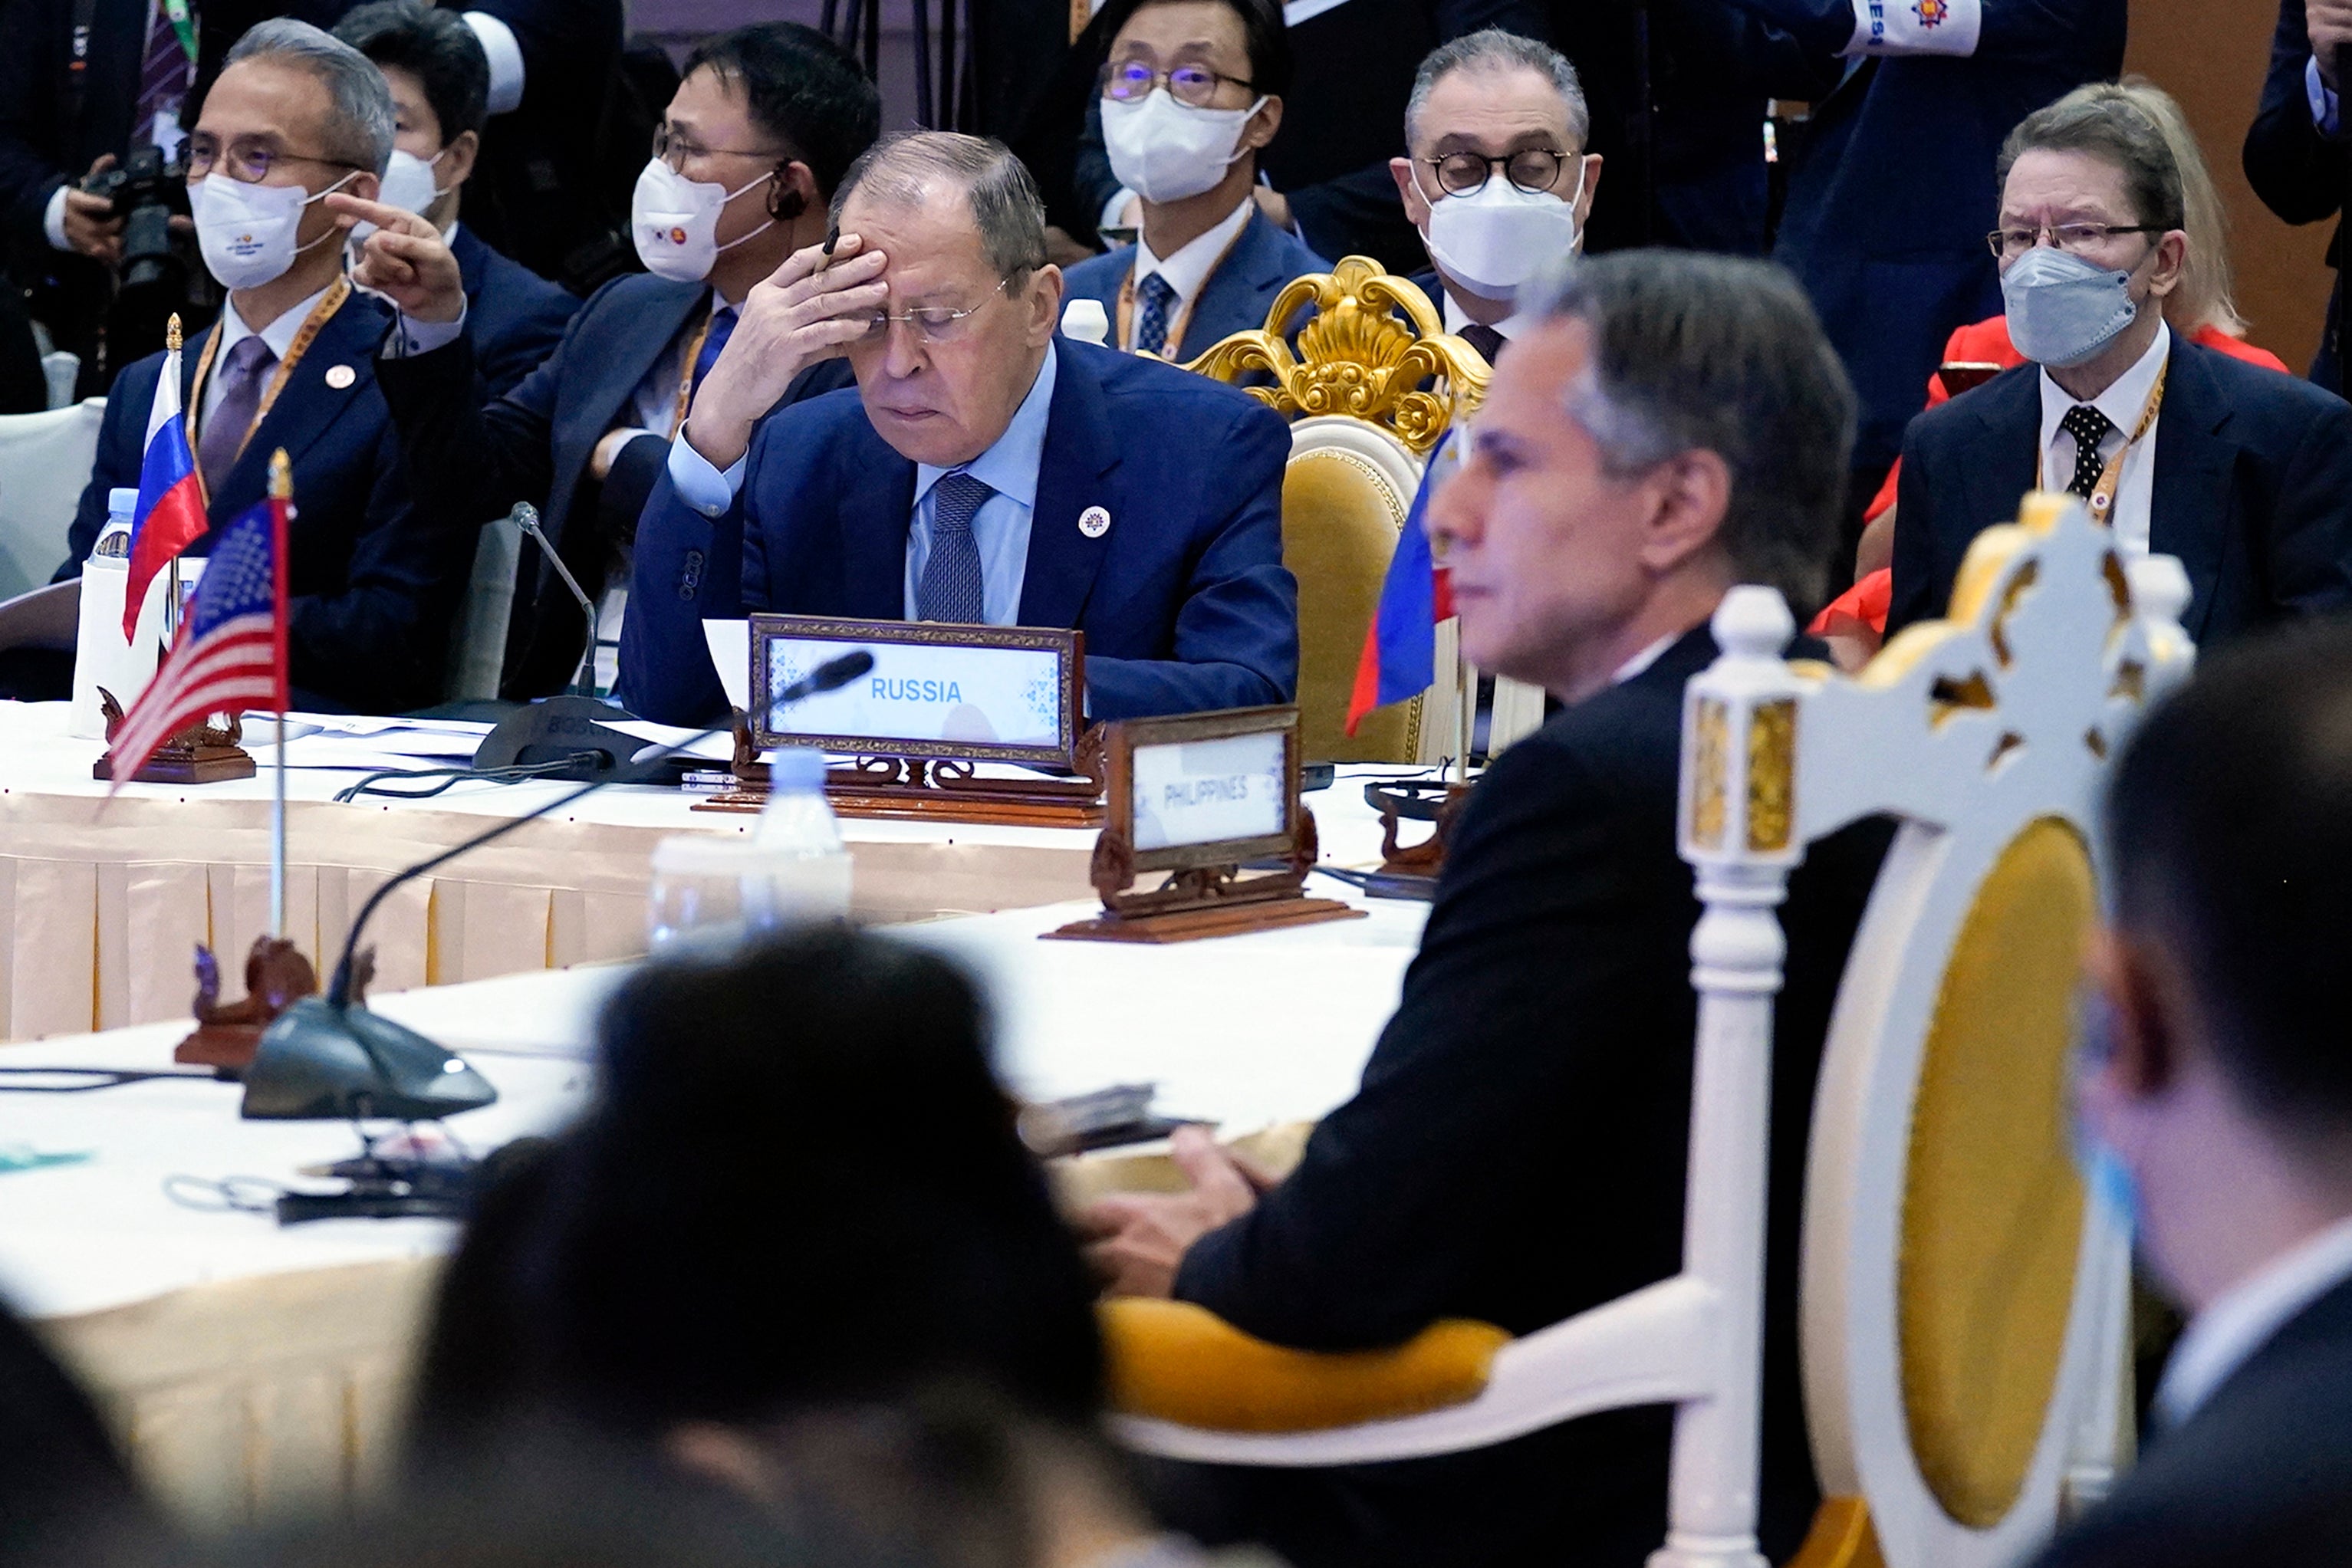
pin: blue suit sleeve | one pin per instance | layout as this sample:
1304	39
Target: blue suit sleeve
523	318
1236	635
2295	168
2311	532
687	569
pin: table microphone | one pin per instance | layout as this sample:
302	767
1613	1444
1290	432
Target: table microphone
325	1056
526	517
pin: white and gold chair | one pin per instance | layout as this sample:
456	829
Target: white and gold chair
1963	1303
1373	385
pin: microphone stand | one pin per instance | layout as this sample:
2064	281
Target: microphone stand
526	517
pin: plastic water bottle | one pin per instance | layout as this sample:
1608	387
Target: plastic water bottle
790	871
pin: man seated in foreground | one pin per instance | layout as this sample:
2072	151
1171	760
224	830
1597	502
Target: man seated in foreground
984	470
2215	1091
1670	426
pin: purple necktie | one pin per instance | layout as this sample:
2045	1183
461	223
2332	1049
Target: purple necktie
241	379
164	75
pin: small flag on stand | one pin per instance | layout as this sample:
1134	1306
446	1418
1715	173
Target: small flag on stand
170	515
231	652
1400	658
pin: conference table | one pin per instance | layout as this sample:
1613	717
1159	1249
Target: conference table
250	1367
103	902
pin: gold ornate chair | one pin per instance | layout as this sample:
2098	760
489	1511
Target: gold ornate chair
1373	385
1963	1301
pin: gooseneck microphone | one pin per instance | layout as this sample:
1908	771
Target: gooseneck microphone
831	675
526	517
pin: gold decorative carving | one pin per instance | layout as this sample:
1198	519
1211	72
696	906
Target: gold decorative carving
1772	773
1373	343
1709	790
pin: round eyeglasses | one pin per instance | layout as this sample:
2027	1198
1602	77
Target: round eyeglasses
1131	82
1533	169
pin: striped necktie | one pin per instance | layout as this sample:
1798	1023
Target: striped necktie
951	585
165	73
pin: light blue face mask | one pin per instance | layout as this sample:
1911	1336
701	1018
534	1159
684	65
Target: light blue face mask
2062	309
2110	1181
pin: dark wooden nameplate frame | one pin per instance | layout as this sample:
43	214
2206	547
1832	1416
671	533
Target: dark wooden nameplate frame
201	754
1410	871
928	780
1206	893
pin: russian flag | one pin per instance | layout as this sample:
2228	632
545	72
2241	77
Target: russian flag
1400	658
170	515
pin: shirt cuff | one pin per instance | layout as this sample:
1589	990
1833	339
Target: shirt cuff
53	216
1114	212
1915	27
2322	101
698	483
409	336
506	59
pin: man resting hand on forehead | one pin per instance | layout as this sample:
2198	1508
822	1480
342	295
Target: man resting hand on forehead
985	471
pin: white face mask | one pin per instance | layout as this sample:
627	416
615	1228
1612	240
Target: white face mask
2063	309
1498	237
247	232
1164	151
408	184
674	222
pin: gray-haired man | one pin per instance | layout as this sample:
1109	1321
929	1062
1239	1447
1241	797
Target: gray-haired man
984	471
1498	180
1668	426
290	365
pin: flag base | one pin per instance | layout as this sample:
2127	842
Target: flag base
201	754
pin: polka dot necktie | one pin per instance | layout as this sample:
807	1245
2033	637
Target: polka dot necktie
2089	427
1156	304
950	587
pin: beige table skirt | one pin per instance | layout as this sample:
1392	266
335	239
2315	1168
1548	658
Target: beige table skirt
101	906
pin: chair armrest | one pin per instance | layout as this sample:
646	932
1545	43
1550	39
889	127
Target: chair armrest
1180	1362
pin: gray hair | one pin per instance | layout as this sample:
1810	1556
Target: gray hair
1492	49
1005	206
359	117
1721	354
2113	129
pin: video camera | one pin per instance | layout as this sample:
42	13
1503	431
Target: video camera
147	192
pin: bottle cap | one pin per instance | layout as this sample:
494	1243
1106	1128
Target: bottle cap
1085	321
121	503
796	768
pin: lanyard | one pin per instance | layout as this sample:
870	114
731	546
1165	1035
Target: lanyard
185	24
2103	496
1183	316
339	291
685	370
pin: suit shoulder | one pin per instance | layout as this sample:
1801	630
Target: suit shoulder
2000	396
1099	277
634	291
528	287
2251	387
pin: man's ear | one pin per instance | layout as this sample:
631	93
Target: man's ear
2171	261
2140	990
1591	185
1692	493
1263	125
1416	205
367	187
458	159
793	193
1045	294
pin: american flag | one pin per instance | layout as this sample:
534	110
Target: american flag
231	651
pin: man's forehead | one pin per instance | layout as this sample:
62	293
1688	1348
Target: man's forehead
2063	180
1177	27
930	241
262	96
1493	110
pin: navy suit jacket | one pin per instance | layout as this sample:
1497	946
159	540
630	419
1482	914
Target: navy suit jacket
376	578
2252	492
2296	171
534	445
514	317
2260	1476
1236	297
1892	193
1184	602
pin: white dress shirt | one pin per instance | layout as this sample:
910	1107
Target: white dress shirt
1188	270
232	330
1000	528
2242	1320
1510	326
654	402
2122	403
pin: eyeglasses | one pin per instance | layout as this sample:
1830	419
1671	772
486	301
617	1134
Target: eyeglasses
677	150
1131	82
2075	239
1534	169
247	159
937	324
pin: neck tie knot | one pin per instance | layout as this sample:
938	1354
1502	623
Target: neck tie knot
2089	427
230	420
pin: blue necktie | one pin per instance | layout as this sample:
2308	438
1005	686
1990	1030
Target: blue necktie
951	588
722	327
1156	301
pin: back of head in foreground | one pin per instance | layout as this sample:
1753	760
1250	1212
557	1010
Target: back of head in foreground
800	1184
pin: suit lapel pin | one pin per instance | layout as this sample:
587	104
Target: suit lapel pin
340	377
1093	522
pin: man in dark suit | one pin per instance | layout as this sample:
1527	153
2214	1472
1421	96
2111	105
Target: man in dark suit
2294	155
2246	477
767	121
2214	1100
1671	425
984	471
1888	202
440	83
1190	94
375	580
